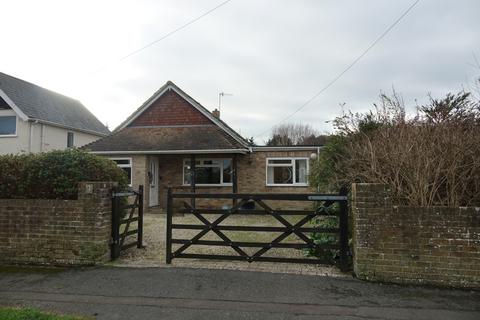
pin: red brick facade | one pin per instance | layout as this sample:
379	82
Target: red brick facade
171	109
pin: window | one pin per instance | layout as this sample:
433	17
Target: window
209	172
8	125
287	171
126	165
69	139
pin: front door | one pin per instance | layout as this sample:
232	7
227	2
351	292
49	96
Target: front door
153	177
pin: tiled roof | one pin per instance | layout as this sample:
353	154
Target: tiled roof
42	104
193	102
166	138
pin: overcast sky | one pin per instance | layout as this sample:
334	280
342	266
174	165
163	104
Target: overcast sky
273	55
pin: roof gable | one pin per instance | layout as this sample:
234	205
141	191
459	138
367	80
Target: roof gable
171	90
170	109
32	102
3	104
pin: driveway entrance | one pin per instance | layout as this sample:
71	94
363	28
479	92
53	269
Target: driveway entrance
321	233
153	255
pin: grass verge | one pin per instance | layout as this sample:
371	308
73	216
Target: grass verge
32	314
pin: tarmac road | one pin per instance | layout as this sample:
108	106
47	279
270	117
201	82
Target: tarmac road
183	293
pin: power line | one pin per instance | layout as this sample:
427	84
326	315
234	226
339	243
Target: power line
168	34
350	66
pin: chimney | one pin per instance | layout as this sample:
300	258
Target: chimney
216	113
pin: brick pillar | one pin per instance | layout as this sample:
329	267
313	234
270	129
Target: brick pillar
370	203
95	198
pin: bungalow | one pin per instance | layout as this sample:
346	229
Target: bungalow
171	137
34	119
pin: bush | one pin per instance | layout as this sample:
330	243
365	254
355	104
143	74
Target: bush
429	159
54	174
320	238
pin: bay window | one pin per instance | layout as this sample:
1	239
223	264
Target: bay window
287	171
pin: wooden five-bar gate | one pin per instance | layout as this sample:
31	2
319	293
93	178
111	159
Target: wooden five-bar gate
127	209
243	205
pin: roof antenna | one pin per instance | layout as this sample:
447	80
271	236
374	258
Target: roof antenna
220	95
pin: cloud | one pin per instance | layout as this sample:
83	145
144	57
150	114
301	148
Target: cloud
272	55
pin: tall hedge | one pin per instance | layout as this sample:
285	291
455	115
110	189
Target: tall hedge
54	174
431	158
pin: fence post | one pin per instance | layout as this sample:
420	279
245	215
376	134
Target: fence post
168	249
140	217
115	246
343	231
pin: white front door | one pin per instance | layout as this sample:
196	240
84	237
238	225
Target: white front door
153	177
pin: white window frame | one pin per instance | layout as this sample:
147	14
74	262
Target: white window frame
126	166
16	126
222	184
292	164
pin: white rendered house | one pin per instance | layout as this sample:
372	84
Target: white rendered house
34	119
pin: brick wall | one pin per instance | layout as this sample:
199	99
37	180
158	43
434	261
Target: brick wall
170	109
421	245
57	232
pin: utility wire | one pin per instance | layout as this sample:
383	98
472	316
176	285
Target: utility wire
350	66
168	34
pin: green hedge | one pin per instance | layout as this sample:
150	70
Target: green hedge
54	174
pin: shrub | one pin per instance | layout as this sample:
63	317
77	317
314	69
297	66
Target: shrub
54	174
320	238
429	159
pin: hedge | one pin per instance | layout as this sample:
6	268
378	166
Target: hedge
54	174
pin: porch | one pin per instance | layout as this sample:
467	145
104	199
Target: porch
189	173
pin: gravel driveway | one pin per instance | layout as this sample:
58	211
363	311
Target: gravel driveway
154	253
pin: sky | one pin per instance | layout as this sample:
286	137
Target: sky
272	55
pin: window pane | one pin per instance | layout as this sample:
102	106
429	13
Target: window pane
209	175
186	176
129	174
227	171
301	171
69	139
8	125
280	161
209	171
280	175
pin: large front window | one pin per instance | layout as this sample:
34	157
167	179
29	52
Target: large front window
8	125
287	171
208	172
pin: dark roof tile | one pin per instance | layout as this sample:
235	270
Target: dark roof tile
166	138
42	104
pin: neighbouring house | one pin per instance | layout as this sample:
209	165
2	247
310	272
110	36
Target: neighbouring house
171	136
34	119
